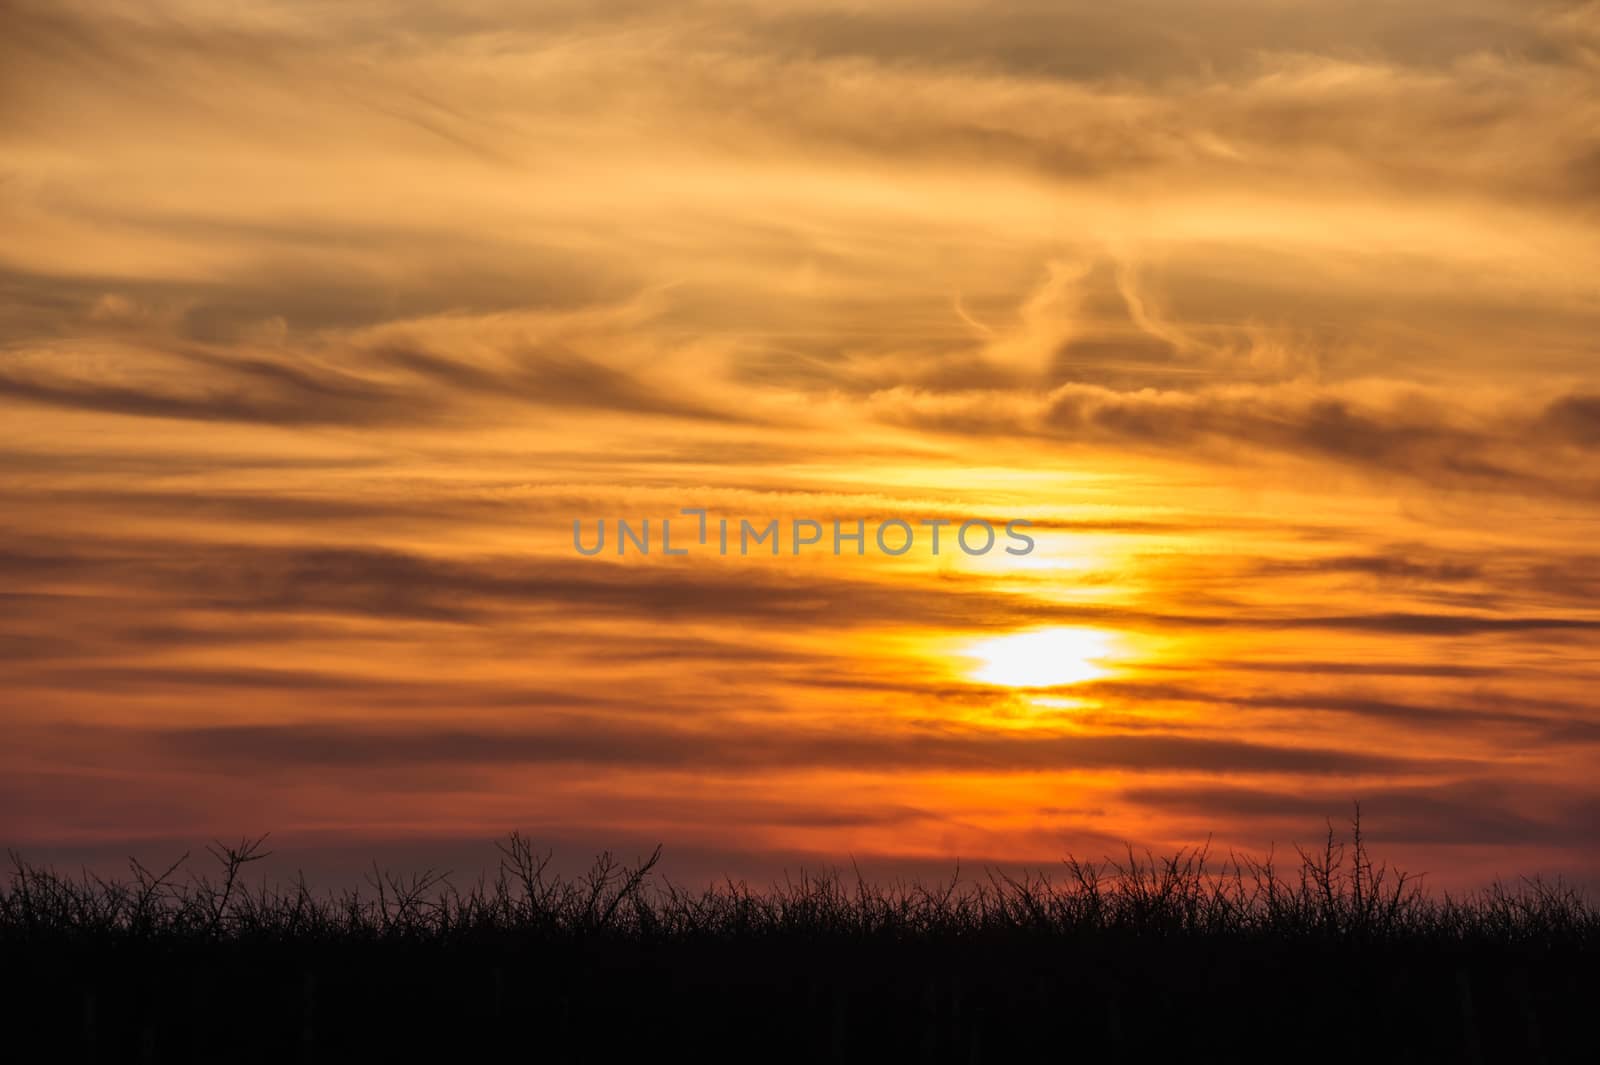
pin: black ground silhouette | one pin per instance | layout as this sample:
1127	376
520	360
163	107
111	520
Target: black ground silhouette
1121	961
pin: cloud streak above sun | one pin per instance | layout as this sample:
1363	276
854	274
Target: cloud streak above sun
321	323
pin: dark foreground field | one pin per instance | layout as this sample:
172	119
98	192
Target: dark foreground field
1181	958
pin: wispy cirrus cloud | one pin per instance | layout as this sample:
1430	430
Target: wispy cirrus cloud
319	325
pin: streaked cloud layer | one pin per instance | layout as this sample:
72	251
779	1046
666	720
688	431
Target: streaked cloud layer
320	323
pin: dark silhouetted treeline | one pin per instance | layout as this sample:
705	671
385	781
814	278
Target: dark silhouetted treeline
1325	957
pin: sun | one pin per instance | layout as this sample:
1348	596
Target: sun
1041	658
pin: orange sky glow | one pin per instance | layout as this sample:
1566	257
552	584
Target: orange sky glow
320	324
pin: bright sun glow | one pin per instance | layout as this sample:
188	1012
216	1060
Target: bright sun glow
1042	658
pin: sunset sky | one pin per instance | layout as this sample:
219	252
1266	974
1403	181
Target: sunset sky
320	323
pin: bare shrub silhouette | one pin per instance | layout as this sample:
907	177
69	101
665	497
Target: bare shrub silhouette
1125	955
